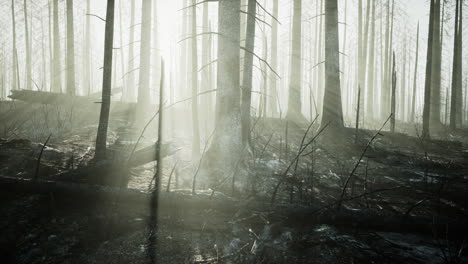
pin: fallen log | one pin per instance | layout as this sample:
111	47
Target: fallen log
115	171
297	216
49	98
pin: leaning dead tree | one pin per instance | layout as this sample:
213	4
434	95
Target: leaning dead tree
101	139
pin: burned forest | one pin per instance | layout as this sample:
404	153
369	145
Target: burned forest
233	131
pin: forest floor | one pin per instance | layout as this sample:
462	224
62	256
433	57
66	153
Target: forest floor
401	177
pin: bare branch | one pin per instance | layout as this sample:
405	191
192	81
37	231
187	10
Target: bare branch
262	60
199	34
96	16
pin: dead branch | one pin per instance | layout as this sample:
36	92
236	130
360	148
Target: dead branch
343	192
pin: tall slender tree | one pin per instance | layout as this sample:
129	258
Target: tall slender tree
101	139
414	95
195	123
294	100
71	89
332	108
371	65
459	105
273	98
457	95
121	51
14	78
130	93
427	83
156	72
145	56
57	78
246	99
393	96
28	76
205	117
436	69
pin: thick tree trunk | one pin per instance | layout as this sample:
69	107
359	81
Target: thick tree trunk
227	139
145	56
332	108
413	102
294	100
436	69
57	78
70	50
246	99
427	84
101	139
195	122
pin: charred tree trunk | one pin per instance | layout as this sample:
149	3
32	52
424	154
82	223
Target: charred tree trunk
70	50
413	102
101	139
332	108
363	69
248	72
427	84
386	86
459	105
455	69
436	69
227	138
393	100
